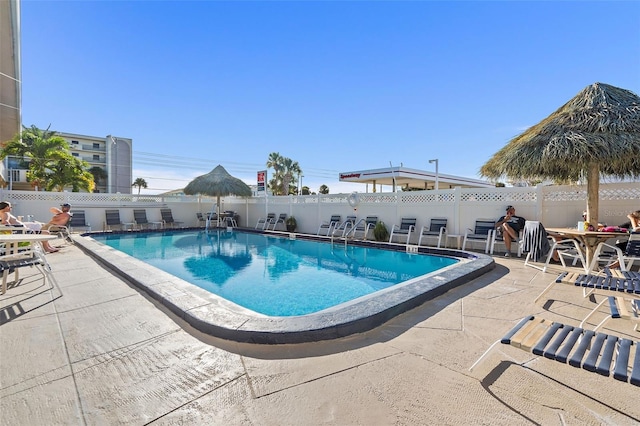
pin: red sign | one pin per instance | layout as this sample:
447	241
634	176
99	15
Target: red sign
350	176
262	177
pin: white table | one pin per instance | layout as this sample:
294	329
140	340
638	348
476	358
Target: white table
457	237
15	256
12	241
590	239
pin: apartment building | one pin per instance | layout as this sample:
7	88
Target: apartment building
113	154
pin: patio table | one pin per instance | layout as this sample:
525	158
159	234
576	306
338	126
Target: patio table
12	241
589	239
15	256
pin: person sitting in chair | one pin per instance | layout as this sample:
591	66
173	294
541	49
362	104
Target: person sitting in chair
509	226
60	217
8	219
633	226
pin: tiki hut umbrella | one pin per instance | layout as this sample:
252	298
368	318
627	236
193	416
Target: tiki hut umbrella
217	183
596	132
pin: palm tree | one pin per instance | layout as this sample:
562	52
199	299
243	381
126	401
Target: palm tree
99	174
324	189
275	162
290	169
140	183
42	148
69	171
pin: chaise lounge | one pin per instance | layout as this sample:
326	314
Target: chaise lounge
595	352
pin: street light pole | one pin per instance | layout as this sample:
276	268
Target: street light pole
435	161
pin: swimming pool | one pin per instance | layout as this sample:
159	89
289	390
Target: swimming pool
215	315
272	275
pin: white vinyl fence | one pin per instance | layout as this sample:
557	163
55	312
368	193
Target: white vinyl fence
554	206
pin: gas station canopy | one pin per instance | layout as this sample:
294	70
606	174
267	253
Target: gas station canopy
402	177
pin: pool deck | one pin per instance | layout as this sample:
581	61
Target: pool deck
216	316
98	351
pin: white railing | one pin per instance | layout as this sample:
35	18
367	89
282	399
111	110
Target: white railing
554	206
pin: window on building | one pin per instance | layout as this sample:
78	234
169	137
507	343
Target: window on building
96	145
75	142
96	158
75	154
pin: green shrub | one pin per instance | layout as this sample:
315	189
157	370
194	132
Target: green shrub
291	223
380	232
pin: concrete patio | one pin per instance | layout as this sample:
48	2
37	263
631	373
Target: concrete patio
97	351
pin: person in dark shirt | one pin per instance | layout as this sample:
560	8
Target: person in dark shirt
509	226
633	226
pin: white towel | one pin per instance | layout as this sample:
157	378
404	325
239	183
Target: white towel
34	226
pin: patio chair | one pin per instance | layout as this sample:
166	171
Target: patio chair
364	226
343	228
140	217
499	239
62	230
281	219
78	220
595	352
406	227
612	284
326	228
201	219
230	218
625	258
112	219
537	244
210	218
569	249
483	231
264	222
168	220
31	255
620	307
437	229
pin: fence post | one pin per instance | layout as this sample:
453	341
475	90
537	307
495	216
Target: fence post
457	195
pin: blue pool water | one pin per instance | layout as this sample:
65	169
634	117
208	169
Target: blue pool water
272	275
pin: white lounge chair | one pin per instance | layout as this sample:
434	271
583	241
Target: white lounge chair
592	351
406	227
484	231
140	218
365	225
326	228
625	258
264	222
281	219
437	229
167	218
342	229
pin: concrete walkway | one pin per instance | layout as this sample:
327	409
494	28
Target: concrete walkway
96	351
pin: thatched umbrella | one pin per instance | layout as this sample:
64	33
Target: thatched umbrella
596	132
217	183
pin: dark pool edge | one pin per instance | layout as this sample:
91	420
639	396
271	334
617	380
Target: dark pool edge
218	317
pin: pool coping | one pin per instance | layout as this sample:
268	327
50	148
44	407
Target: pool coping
216	316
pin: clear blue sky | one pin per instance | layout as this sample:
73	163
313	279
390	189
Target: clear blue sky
337	86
